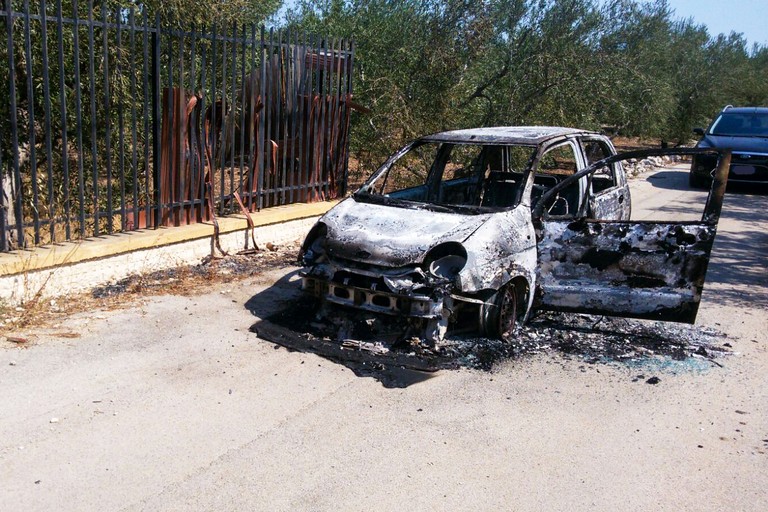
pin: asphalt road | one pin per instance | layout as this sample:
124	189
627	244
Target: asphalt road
172	404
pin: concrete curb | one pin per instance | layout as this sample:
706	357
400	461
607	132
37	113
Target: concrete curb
71	267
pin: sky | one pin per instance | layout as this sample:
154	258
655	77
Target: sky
750	17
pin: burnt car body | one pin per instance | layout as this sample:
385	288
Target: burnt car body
743	130
491	223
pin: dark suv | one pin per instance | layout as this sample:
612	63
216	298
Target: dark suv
743	130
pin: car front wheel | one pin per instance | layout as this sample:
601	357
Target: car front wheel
500	315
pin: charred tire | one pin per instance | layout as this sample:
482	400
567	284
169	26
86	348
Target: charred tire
500	315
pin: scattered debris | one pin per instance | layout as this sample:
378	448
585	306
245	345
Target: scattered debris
54	420
69	335
369	340
17	339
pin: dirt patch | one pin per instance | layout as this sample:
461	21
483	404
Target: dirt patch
186	280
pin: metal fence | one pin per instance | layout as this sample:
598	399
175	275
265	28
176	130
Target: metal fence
113	123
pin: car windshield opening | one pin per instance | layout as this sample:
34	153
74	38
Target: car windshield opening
454	175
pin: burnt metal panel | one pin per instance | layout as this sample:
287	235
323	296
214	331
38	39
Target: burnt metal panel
637	269
653	270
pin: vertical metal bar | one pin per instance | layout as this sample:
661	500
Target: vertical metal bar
306	121
223	118
317	136
328	126
232	115
145	111
47	122
252	129
79	121
213	135
261	147
31	125
327	71
19	194
270	102
303	117
203	160
337	123
285	73
180	115
156	152
295	83
168	192
192	195
330	118
243	40
134	137
120	119
92	79
349	75
4	245
224	108
63	115
278	193
108	117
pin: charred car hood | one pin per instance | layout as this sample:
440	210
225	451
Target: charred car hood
392	236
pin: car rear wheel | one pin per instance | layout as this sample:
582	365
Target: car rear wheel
500	315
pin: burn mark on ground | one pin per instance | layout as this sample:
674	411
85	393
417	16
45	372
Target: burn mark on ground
375	349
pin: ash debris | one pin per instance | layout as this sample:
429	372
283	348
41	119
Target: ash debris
592	339
596	339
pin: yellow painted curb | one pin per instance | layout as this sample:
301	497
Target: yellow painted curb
67	253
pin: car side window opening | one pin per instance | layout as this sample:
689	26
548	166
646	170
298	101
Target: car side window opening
604	177
555	165
504	180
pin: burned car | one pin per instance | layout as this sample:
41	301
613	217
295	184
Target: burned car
486	225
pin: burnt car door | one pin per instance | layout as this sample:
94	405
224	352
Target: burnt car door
647	269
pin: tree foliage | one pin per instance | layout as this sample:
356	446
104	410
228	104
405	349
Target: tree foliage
629	67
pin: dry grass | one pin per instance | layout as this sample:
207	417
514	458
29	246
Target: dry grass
44	313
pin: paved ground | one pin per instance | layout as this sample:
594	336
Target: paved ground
172	404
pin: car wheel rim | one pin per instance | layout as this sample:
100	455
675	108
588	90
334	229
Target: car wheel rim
508	312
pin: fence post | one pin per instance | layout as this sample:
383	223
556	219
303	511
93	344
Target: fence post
6	213
12	181
155	84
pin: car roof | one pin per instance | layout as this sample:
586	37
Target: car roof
532	135
745	110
